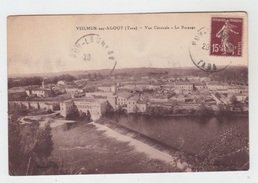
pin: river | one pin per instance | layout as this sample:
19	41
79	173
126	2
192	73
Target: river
191	134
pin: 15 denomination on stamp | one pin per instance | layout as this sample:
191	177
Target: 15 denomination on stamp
226	36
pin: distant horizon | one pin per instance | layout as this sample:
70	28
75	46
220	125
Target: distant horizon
92	70
102	69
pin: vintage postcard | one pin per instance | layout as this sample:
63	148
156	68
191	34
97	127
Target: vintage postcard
128	93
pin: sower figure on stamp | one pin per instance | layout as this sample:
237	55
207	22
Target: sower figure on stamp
224	32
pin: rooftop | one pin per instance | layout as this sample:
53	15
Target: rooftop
124	94
198	84
241	94
106	85
134	98
57	98
221	89
141	102
40	89
216	83
87	99
16	91
183	83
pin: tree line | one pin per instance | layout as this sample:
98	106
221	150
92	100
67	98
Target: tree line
36	80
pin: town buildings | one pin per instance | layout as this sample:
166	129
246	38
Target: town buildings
241	97
45	105
95	107
73	90
199	86
99	94
112	89
129	95
39	92
213	86
123	97
134	105
185	87
65	107
16	94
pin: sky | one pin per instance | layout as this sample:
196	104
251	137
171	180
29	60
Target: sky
43	44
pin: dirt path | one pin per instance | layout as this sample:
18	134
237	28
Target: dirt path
142	147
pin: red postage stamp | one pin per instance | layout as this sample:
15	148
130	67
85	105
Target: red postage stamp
226	36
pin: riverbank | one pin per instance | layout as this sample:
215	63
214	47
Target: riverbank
151	152
195	115
179	157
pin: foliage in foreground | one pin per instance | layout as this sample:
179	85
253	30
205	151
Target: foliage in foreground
29	148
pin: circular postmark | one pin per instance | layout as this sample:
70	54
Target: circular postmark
200	53
95	53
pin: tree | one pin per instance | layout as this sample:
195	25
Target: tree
157	111
29	137
171	94
136	109
120	110
73	114
26	81
29	147
41	149
44	144
109	110
191	111
66	77
223	110
82	116
217	95
204	111
233	100
88	115
246	100
149	110
49	111
15	148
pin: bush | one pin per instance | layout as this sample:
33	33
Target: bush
204	111
77	115
49	111
73	114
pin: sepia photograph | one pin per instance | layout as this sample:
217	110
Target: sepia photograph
128	93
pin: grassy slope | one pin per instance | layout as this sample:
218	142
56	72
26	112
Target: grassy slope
85	150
